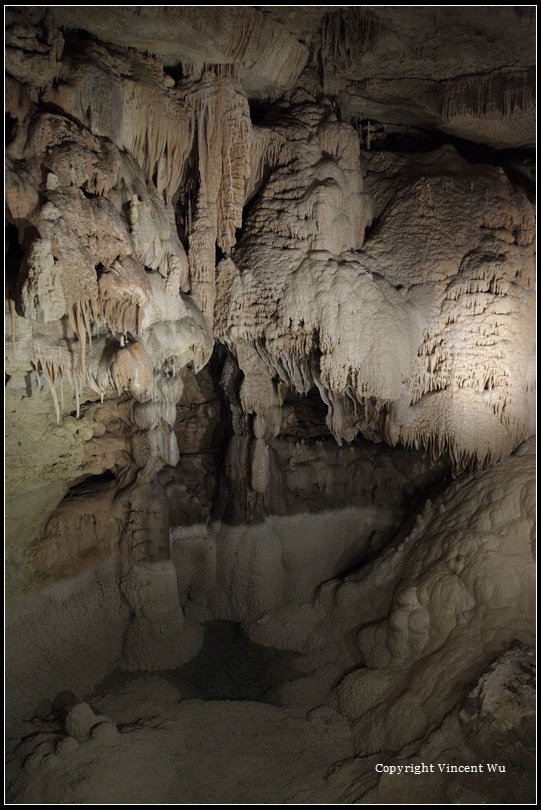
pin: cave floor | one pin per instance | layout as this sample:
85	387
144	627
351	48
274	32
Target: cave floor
201	733
175	749
211	732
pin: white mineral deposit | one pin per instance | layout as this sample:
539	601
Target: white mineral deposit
270	404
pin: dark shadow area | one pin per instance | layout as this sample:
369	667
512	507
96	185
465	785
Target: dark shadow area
231	667
13	260
174	71
92	484
10	128
228	667
518	163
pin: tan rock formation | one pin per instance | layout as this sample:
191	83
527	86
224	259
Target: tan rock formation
270	380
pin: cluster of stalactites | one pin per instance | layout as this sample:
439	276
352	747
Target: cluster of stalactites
497	94
126	97
344	36
103	272
223	137
201	125
147	369
470	439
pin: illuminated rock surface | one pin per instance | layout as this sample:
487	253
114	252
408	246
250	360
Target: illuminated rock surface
270	386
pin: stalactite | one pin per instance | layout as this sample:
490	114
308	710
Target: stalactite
497	94
79	318
133	371
57	365
344	37
223	142
260	466
127	141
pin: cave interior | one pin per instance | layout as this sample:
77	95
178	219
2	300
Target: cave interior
270	404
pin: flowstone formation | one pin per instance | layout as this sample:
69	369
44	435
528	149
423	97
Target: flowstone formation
270	380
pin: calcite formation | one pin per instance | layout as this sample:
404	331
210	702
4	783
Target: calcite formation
270	380
325	318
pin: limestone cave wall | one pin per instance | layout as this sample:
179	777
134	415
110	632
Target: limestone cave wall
270	365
